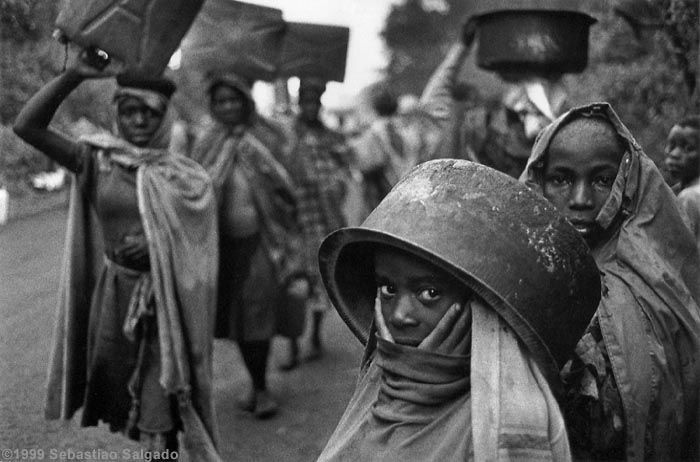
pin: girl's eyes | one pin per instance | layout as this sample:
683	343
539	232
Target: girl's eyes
557	180
429	295
387	290
604	180
147	112
684	147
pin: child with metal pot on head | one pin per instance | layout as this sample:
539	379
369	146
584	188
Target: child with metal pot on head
468	291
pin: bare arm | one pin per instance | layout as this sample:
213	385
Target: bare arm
32	123
437	98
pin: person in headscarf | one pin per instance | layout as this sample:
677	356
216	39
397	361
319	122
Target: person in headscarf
632	386
259	236
134	332
391	146
318	160
682	160
467	290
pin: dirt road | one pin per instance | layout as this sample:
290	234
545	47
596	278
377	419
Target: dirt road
312	396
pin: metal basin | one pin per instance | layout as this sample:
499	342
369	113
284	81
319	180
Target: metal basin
501	239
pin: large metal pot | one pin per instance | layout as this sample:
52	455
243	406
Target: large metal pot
541	37
314	50
237	37
503	240
143	34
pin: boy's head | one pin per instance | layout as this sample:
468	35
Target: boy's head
581	165
414	293
682	159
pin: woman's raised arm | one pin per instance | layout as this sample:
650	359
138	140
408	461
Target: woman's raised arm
32	123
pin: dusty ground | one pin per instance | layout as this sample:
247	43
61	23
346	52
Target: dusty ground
313	396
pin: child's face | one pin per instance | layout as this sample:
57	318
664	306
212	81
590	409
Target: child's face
682	153
414	294
582	163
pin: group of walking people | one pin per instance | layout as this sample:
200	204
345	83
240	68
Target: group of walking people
552	316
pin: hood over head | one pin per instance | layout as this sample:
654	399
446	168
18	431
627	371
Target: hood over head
651	273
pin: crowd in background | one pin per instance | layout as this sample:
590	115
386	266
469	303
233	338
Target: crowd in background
180	234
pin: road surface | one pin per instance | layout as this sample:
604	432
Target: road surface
313	396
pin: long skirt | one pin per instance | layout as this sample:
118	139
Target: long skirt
113	360
248	291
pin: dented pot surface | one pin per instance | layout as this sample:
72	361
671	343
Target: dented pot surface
506	242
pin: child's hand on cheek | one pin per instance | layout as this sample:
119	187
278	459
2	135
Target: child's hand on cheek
382	329
450	335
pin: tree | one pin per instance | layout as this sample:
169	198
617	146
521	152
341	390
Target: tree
29	57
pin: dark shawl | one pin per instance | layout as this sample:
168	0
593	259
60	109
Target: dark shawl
648	315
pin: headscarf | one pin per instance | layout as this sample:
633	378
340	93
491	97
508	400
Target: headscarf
232	80
154	100
649	314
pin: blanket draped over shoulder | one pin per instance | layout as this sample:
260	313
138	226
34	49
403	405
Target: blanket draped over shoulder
177	208
219	150
648	314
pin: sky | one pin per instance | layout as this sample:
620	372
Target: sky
366	52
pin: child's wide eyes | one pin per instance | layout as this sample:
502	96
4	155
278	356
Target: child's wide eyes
557	180
428	295
387	290
604	180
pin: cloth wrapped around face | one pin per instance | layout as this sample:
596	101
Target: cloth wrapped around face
535	288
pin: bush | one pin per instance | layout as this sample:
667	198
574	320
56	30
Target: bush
18	160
